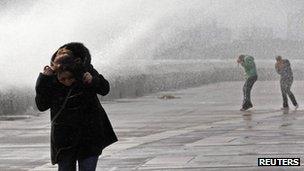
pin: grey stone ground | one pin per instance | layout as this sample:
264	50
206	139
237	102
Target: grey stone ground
201	129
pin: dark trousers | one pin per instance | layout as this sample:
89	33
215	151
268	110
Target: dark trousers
67	162
247	90
285	89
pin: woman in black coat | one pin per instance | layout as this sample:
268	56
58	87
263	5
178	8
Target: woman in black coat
80	127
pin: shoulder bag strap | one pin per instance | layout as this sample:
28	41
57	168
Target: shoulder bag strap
62	107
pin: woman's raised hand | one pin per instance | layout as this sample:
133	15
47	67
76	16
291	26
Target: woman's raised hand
87	78
47	70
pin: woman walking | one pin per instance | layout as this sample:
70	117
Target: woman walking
80	128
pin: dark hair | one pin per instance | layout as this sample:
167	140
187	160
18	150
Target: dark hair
278	57
72	65
242	57
79	51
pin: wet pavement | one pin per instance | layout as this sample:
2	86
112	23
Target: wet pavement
193	129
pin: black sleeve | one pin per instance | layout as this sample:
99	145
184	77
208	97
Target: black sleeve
99	83
43	92
287	63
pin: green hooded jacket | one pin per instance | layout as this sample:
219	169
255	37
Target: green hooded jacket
249	66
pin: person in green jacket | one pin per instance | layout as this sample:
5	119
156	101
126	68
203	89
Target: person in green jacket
251	76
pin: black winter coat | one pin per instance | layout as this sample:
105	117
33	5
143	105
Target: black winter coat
82	124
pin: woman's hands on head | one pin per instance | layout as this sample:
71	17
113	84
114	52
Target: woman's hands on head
47	70
87	78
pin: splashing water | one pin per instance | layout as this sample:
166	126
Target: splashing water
135	43
118	33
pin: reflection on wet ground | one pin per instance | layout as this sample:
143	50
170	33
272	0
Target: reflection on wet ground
287	117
